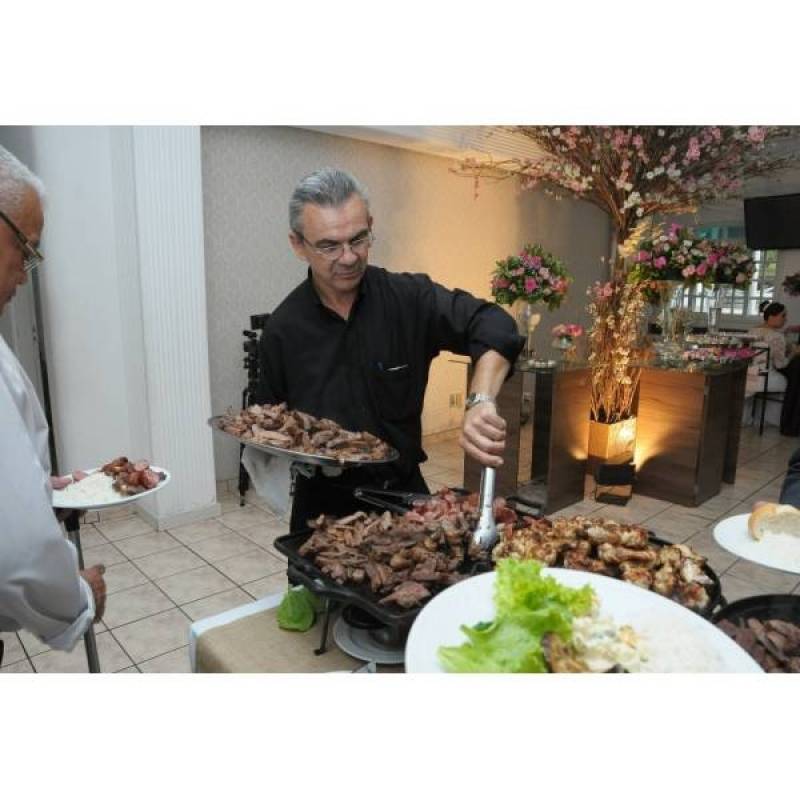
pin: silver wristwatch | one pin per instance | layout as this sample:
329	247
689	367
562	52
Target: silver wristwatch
474	398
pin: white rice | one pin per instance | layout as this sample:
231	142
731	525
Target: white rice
96	489
677	648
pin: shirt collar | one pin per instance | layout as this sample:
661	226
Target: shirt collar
363	286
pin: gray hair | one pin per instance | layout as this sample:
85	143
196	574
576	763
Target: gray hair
15	180
325	187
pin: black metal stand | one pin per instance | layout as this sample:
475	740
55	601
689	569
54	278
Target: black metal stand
250	392
73	525
330	607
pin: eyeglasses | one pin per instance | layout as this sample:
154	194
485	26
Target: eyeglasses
33	256
333	252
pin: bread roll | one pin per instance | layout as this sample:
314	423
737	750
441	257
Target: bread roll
774	518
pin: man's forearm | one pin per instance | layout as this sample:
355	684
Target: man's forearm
490	372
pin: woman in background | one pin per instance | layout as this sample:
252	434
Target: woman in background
783	358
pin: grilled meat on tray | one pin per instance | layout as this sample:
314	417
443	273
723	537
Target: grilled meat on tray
610	548
402	558
276	425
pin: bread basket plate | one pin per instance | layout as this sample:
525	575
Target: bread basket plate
774	550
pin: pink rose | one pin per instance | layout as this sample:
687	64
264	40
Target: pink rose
642	255
518	271
756	134
740	277
660	262
530	285
702	269
688	272
503	283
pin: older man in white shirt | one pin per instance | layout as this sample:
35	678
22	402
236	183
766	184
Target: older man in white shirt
41	588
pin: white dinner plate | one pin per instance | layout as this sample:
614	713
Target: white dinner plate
775	550
678	640
62	499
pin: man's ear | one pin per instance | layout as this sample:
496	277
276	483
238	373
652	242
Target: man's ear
297	245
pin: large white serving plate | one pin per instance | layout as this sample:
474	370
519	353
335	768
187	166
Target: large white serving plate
775	550
678	639
62	499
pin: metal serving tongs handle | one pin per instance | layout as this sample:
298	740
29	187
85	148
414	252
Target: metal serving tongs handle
485	535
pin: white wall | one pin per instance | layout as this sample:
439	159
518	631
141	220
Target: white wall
426	220
123	304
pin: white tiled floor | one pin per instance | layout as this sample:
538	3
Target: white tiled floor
159	582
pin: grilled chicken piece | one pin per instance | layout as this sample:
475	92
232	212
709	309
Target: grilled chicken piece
636	574
617	555
692	595
574	559
665	580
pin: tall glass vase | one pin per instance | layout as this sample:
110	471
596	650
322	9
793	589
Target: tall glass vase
714	305
671	344
527	320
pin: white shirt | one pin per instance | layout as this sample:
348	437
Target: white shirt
40	588
778	346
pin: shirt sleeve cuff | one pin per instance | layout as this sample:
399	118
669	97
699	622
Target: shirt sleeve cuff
67	639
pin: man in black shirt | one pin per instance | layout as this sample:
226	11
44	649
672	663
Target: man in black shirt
354	343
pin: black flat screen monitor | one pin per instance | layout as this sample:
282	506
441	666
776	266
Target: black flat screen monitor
772	223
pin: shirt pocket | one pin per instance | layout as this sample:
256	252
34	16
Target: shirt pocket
393	390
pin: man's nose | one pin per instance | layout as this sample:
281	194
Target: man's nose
349	256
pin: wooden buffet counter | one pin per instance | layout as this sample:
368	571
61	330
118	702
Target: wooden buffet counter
687	440
688	429
547	416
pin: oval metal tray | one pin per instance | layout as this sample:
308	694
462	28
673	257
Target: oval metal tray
305	458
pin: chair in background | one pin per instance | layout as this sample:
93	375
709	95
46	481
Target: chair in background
766	395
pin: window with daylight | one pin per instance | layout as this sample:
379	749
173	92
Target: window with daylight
738	302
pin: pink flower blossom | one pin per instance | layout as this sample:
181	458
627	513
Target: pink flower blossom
740	277
642	255
702	269
518	271
502	283
756	134
660	262
638	141
530	285
687	272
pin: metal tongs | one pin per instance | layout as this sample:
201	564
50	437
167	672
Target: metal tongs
485	534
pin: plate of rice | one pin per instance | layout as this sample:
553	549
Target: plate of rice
496	623
97	490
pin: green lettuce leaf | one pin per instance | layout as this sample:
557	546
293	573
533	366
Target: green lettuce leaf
297	609
529	605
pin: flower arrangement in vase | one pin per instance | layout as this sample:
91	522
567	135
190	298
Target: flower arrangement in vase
564	336
616	309
677	255
534	276
731	263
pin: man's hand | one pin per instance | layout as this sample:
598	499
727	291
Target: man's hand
94	577
483	435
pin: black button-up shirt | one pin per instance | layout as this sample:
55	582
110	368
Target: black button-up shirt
369	372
